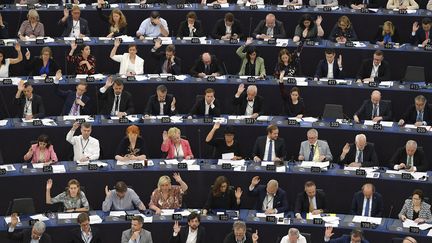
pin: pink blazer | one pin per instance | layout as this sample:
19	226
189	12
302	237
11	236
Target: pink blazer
169	147
50	154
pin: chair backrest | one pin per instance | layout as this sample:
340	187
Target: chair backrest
307	236
414	74
23	206
397	240
333	111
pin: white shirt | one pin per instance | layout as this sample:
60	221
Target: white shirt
374	72
161	107
330	70
377	108
126	65
313	202
4	69
178	151
301	239
228	29
75	31
267	148
28	107
364	206
268	202
86	237
207	108
83	148
249	108
136	240
192	236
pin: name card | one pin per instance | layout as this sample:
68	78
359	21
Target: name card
211	79
365	225
123	120
37	123
177	216
360	172
315	169
271	219
90	79
171	78
92	167
165	119
226	166
182	166
377	126
373	84
249	120
47	168
137	166
318	221
251	79
414	86
334	124
270	167
421	130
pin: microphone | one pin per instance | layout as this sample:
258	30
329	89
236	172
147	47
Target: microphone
225	69
199	143
9	208
250	26
391	210
97	100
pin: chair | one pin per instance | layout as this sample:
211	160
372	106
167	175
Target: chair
333	111
307	236
397	240
21	206
414	74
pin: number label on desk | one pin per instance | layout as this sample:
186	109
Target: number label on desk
180	6
388	45
177	216
223	217
137	166
428	47
377	126
226	166
211	79
327	8
7	81
315	169
92	167
271	41
290	7
253	7
414	230
421	130
2	171
251	79
217	6
249	120
123	120
364	10
233	41
271	219
2	43
128	217
171	78
291	81
40	41
406	176
310	43
195	40
373	84
90	79
79	41
403	11
334	124
47	168
37	123
165	119
349	44
414	86
270	167
331	82
143	6
360	172
182	166
208	120
80	120
130	78
49	80
31	6
366	225
292	122
318	221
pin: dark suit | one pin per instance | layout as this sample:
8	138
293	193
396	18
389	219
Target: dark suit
25	236
76	236
400	156
260	144
230	238
410	115
68	25
345	239
280	201
322	69
366	69
160	56
199	108
69	96
183	235
420	36
366	110
38	109
199	67
302	202
379	36
369	155
377	209
219	29
241	103
278	30
153	106
108	98
4	31
183	29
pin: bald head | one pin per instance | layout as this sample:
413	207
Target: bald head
376	97
206	58
270	20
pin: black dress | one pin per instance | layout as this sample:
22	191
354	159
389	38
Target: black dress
226	200
291	109
125	149
221	147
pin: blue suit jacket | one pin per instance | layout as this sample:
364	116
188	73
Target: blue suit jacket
345	239
69	96
280	201
377	204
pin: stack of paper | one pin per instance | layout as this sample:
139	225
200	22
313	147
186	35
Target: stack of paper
264	118
73	118
284	6
131	162
95	219
383	123
167	212
412	126
8	167
59	169
358	43
3	122
39	217
373	220
263	215
48	122
85	39
181	77
223	5
98	163
232	162
386	84
38	165
282	42
309	119
15	80
146	219
338	81
117	213
67	215
221	120
238	117
176	119
310	164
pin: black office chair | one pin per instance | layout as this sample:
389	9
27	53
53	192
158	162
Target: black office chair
1	158
414	74
333	111
21	206
397	240
307	236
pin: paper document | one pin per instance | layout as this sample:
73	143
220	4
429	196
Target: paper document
309	119
412	126
232	162
117	213
8	219
373	220
223	5
39	217
227	156
67	215
167	212
309	164
146	218
59	169
263	215
38	165
193	167
95	219
3	122
8	167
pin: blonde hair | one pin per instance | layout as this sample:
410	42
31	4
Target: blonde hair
173	131
33	13
390	25
163	180
122	21
346	20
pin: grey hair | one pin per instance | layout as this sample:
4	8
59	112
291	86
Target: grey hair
252	88
273	182
360	136
239	225
420	98
411	143
294	231
39	227
313	130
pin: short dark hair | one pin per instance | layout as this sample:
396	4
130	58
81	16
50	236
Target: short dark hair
309	184
418	192
121	187
295	89
357	233
154	14
191	15
426	21
82	217
229	17
27	84
83	83
229	130
138	218
330	51
192	216
44	139
271	128
379	53
209	90
118	82
132	45
169	48
305	17
86	125
161	88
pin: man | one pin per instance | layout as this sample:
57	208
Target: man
74	26
323	3
293	236
207	105
328	68
194	233
85	233
409	158
314	149
367	202
191	27
356	236
136	234
161	103
3	28
206	65
270	147
35	234
310	200
360	154
85	147
269	28
359	4
153	26
419	114
248	103
240	234
30	106
374	109
271	198
168	61
121	198
227	28
116	101
76	103
374	70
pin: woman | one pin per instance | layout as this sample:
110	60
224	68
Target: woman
73	199
252	64
167	196
116	20
224	145
132	146
84	63
42	151
31	28
288	64
222	196
5	62
308	29
130	63
387	33
44	65
174	145
416	209
343	31
402	4
293	104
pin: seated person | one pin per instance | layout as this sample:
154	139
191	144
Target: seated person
240	234
85	231
161	103
36	233
121	198
74	26
130	63
73	199
359	4
288	64
175	146
343	31
328	68
387	33
43	65
308	29
310	200
153	26
32	27
419	114
292	2
429	5
5	62
132	146
293	236
293	104
227	28
421	35
314	149
359	154
271	198
136	233
76	102
116	20
206	65
323	3
416	209
190	27
269	28
84	62
409	158
167	196
252	63
30	106
116	101
85	147
374	109
270	147
207	105
402	4
194	230
248	103
373	202
222	196
3	28
42	151
356	235
225	145
375	69
168	61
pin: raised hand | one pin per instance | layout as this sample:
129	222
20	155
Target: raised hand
107	192
415	26
14	220
158	43
328	232
177	177
346	148
318	20
164	135
238	192
173	102
249	41
255	180
27	54
176	227
240	88
74	45
17	47
21	85
255	236
109	82
339	61
49	184
66	12
75	126
117	42
216	125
